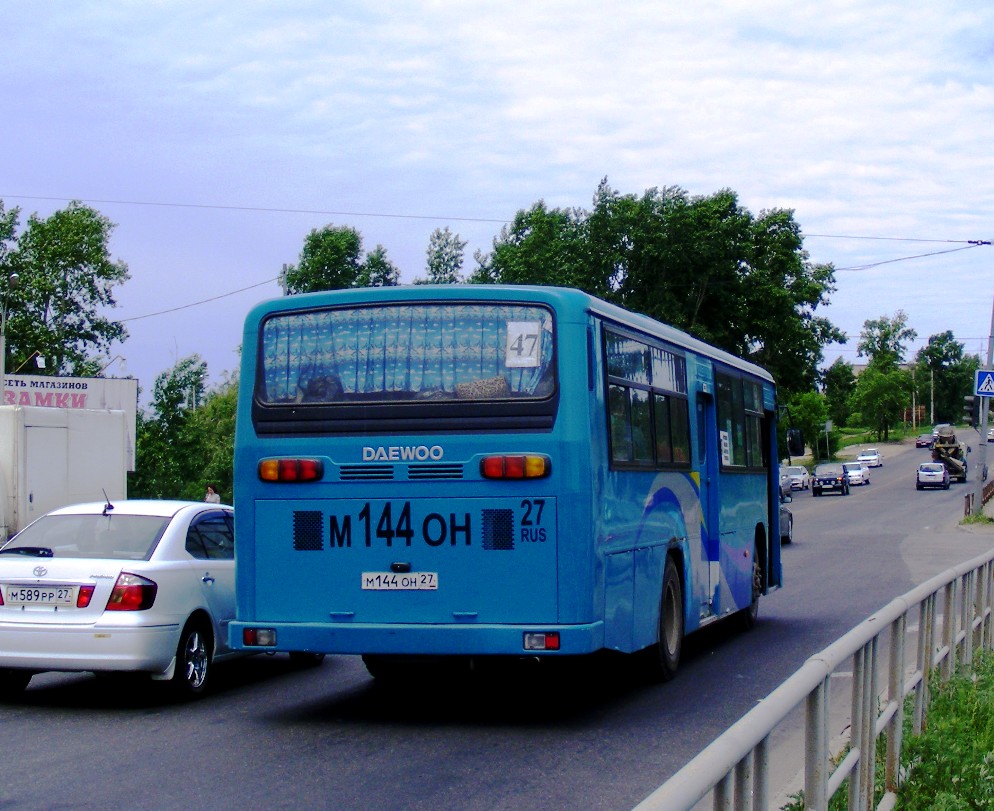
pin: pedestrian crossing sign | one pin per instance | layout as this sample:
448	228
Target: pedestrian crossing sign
984	383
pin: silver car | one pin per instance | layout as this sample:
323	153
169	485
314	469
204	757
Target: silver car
133	586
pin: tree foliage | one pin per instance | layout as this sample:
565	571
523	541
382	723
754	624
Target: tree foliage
332	259
377	270
809	412
65	283
839	382
703	264
882	393
943	374
167	450
884	340
444	258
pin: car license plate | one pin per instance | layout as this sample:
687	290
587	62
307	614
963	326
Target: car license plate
408	581
39	595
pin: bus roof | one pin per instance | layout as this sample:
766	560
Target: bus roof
570	303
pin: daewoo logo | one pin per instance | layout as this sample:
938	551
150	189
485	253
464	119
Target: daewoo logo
402	453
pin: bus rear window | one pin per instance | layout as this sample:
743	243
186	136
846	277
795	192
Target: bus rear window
407	353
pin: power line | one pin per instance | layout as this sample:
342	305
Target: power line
258	209
968	247
198	303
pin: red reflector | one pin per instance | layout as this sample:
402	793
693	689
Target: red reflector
253	637
83	597
537	640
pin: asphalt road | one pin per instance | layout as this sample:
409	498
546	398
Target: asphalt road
584	735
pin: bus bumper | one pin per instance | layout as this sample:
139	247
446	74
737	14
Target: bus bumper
442	640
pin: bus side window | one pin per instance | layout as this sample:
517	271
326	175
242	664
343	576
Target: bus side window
621	438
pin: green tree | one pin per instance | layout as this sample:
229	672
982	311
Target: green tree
540	246
166	452
880	397
809	412
943	373
884	340
65	282
329	260
703	264
377	271
839	382
444	258
210	430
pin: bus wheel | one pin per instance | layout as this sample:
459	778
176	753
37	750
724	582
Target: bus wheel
750	614
663	658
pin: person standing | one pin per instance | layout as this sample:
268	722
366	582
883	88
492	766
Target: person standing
212	496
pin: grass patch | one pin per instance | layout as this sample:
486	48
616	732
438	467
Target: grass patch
954	757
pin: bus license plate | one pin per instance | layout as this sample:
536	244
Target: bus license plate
391	581
39	595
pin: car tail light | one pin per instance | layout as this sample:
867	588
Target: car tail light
1	596
291	470
84	595
132	592
515	466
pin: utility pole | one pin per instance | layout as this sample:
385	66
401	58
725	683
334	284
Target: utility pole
978	476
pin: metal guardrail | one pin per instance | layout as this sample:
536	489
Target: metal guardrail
734	769
985	495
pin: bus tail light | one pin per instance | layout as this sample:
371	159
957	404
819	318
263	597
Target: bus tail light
258	637
291	470
541	640
515	466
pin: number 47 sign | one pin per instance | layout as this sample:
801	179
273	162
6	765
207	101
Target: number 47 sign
984	383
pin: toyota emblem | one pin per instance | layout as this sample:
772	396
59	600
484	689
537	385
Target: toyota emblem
40	571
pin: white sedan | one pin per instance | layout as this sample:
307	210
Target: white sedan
870	457
133	586
858	472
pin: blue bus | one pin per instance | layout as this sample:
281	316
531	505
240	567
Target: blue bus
486	470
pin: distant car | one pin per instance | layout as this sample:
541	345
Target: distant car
858	472
935	429
870	457
925	441
798	477
786	518
830	476
132	586
932	474
990	434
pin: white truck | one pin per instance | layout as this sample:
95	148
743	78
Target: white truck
50	457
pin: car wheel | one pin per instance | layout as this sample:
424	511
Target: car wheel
193	661
663	658
13	680
945	486
788	537
918	486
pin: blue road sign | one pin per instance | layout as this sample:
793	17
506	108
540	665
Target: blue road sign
983	384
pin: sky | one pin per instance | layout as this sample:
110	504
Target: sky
217	135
